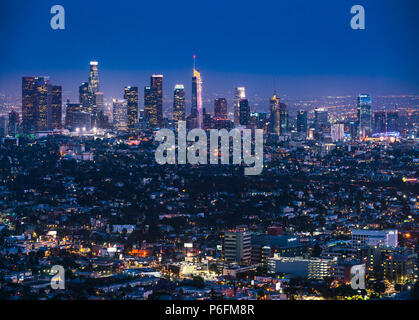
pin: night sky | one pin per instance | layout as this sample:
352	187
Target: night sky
304	47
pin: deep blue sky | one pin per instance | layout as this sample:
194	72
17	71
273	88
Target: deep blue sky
307	46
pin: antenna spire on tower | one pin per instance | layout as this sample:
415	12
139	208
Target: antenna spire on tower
194	57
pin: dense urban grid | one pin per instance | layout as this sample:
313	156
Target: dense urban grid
80	188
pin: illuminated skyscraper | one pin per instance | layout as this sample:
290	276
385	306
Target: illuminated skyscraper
71	109
55	107
196	110
28	104
178	104
13	123
302	122
120	114
131	96
337	132
364	116
84	96
154	99
239	93
94	77
41	103
220	109
274	122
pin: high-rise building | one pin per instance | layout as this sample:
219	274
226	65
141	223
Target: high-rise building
100	105
120	114
244	112
220	108
55	110
283	118
380	124
392	121
207	120
274	121
364	116
237	246
338	132
239	93
71	109
321	119
13	123
178	104
41	103
131	96
196	109
84	96
3	126
157	86
28	104
302	125
93	78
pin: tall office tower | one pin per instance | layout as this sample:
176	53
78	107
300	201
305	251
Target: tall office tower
13	123
244	112
71	109
220	109
321	119
55	107
283	118
353	129
237	246
178	104
392	121
120	114
302	125
337	132
380	124
239	93
34	103
154	97
41	103
131	96
28	104
84	96
196	110
274	121
93	78
364	116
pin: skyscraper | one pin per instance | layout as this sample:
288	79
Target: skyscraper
302	122
239	93
131	96
71	109
153	101
93	78
41	103
337	132
178	104
321	119
244	112
380	124
120	114
55	110
364	116
392	121
28	104
283	118
274	121
84	96
220	109
196	110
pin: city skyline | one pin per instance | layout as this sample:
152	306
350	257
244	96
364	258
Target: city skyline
300	58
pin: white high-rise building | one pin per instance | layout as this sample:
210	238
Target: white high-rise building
338	132
239	93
